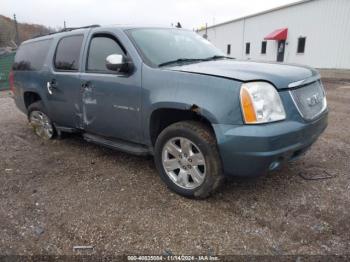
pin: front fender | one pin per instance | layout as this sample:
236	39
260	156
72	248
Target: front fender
215	98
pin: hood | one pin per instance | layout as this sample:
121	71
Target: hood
281	75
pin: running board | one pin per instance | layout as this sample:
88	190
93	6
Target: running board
128	147
66	129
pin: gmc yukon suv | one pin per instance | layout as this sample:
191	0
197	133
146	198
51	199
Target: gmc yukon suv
169	93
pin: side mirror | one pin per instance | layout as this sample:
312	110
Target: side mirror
117	63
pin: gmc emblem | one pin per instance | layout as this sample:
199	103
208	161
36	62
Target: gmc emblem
314	100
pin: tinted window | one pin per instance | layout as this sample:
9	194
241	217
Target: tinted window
247	48
68	53
100	48
31	56
263	47
301	45
228	49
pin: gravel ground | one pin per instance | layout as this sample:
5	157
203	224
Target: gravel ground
61	193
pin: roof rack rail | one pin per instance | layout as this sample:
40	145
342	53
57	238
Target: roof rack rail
68	29
75	28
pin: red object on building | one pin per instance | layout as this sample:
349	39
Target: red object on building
279	34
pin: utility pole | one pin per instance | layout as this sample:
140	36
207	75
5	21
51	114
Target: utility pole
206	31
64	24
16	30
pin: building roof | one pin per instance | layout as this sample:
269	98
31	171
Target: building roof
257	14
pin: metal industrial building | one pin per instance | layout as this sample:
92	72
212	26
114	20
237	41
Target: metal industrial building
310	32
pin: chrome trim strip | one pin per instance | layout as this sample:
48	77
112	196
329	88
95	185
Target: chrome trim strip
296	105
305	81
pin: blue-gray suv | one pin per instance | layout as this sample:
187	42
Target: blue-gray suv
170	93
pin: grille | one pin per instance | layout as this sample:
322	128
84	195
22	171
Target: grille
310	100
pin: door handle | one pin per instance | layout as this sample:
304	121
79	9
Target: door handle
51	85
86	85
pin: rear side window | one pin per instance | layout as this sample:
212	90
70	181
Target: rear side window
31	56
68	53
100	48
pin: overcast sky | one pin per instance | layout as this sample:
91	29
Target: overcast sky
191	13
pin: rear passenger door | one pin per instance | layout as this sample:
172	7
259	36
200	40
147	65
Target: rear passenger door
110	100
63	86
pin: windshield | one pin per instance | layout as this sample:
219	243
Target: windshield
159	46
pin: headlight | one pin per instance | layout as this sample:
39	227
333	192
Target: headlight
261	103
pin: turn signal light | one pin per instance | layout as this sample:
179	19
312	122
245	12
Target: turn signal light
247	107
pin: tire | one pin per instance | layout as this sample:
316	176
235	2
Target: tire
40	121
202	143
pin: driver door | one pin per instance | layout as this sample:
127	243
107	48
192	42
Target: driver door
110	100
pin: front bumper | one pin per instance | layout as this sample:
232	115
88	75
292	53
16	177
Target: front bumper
253	150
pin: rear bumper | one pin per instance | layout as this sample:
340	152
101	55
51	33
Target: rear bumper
248	150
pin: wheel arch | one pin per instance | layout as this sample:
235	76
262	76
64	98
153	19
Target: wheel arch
30	97
163	116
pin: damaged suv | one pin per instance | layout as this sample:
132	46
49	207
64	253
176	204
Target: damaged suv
169	93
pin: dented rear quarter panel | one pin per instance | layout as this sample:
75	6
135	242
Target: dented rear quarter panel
217	98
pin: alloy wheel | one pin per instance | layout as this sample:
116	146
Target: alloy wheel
184	163
41	124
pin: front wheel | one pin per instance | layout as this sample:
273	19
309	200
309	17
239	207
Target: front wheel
188	160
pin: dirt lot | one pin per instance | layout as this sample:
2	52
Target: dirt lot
58	194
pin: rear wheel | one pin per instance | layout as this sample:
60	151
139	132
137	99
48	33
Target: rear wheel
39	120
187	159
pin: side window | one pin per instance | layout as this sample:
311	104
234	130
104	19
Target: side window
247	48
100	48
68	53
301	45
31	56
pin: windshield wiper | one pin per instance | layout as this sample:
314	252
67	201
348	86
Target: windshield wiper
181	60
184	60
215	57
